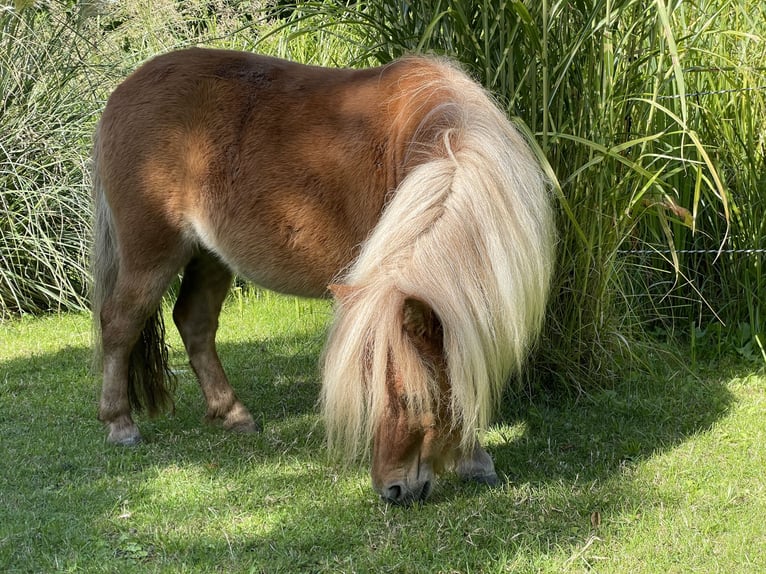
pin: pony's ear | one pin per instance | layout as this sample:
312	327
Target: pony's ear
421	323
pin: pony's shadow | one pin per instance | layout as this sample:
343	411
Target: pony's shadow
541	446
542	438
546	437
594	435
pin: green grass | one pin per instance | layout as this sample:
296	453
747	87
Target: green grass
658	474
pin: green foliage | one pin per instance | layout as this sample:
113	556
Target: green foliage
44	214
711	279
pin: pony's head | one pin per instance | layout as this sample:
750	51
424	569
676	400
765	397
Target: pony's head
415	437
403	416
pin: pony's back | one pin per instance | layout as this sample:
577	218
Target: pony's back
279	169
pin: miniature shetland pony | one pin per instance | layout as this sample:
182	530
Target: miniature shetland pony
402	190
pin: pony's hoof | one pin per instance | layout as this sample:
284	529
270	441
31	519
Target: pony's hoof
240	420
245	427
124	436
477	467
490	479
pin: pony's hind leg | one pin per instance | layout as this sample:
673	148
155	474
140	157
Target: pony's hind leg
131	307
204	287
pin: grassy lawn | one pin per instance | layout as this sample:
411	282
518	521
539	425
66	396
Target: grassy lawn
661	475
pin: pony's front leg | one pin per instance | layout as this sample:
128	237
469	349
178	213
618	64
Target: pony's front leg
477	466
204	287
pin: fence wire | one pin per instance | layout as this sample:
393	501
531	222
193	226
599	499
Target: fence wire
712	93
690	251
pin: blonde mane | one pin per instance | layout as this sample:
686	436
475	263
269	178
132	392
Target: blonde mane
469	232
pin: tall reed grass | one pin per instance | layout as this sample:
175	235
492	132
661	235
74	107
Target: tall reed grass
44	207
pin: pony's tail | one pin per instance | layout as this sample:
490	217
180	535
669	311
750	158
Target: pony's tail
104	262
150	380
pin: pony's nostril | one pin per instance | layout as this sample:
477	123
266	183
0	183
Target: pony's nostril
393	493
400	493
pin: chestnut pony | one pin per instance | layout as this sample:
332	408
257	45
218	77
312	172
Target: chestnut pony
401	189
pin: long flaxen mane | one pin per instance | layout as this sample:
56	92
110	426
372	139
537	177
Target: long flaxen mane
469	232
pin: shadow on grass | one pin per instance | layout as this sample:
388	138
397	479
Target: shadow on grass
71	495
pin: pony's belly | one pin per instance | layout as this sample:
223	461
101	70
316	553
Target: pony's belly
292	262
282	280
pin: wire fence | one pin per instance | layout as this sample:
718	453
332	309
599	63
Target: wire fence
712	93
691	251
